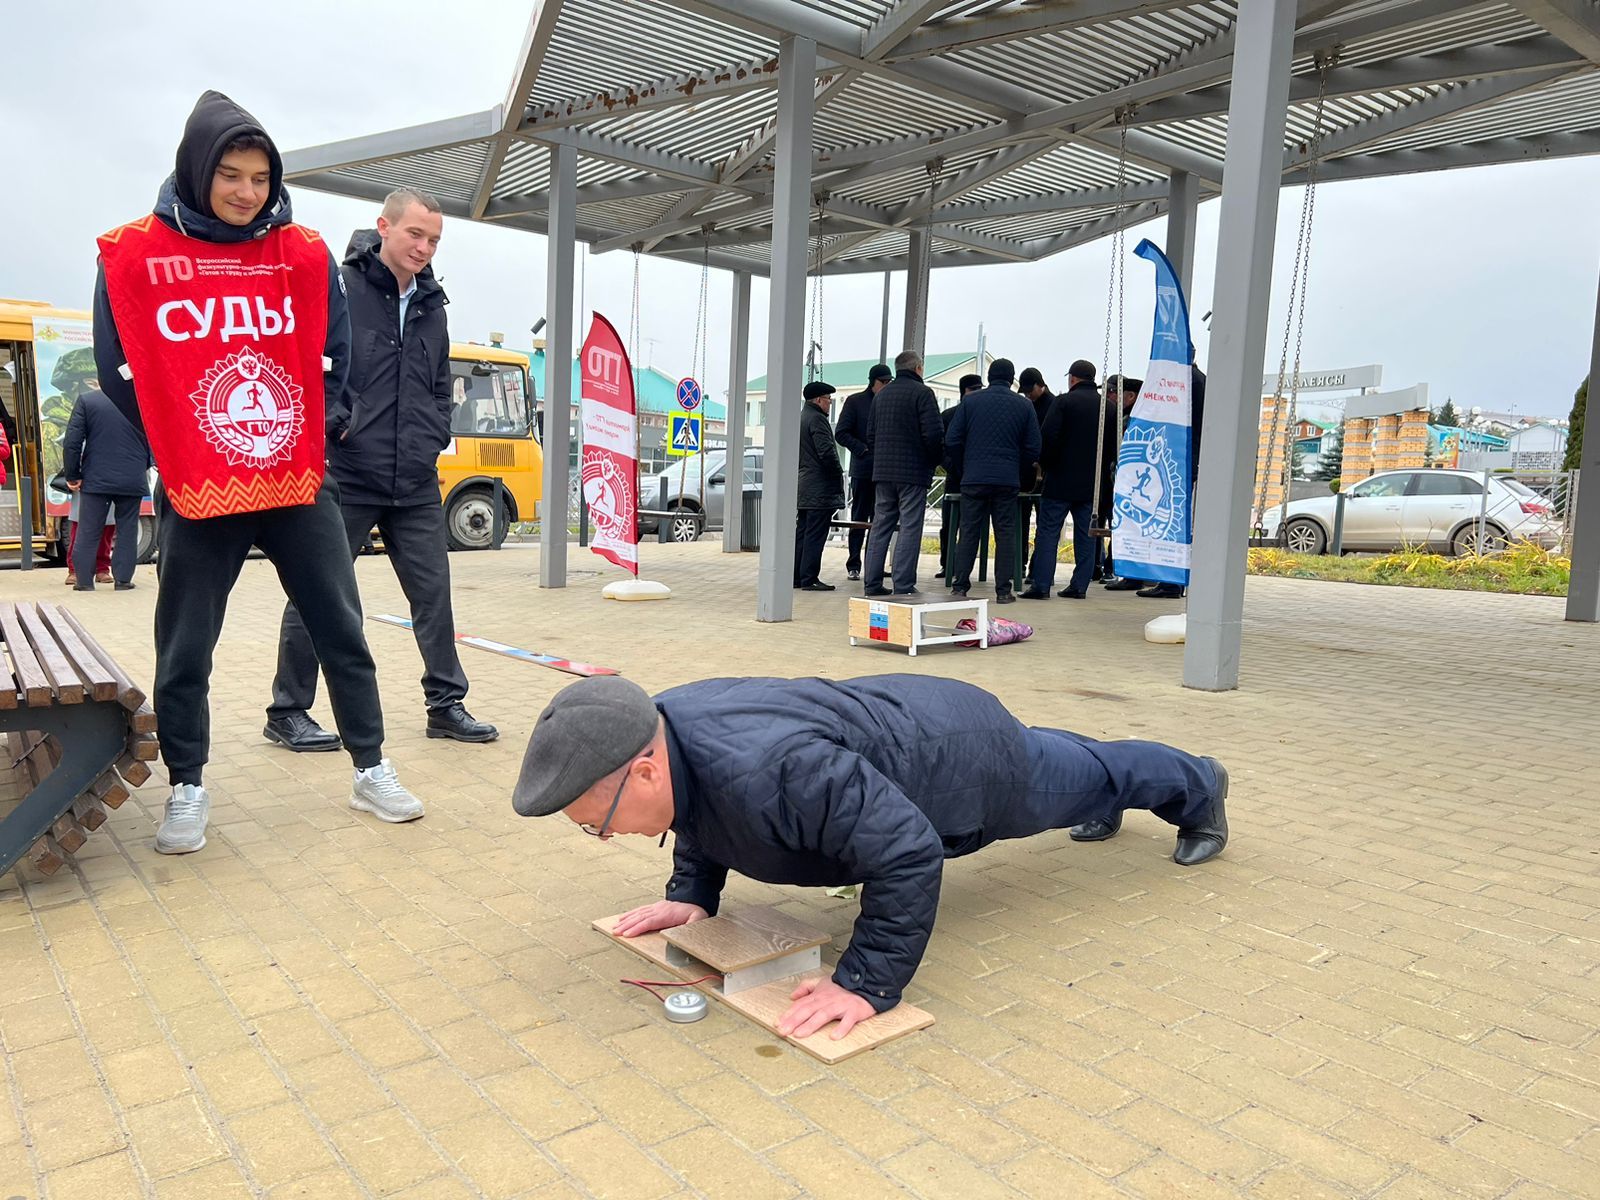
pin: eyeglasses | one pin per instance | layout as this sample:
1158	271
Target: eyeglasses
604	828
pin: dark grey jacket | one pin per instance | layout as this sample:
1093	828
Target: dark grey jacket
851	432
103	449
1069	455
398	397
994	438
904	432
821	476
874	781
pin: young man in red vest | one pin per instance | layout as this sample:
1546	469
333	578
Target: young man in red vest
221	328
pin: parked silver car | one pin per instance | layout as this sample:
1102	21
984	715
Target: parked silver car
1433	509
683	491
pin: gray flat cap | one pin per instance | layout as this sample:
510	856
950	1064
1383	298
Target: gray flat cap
587	731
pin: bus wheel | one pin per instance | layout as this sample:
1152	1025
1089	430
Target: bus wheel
469	519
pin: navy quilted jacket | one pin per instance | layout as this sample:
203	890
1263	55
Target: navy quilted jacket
873	781
904	432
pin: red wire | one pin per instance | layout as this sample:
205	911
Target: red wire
650	985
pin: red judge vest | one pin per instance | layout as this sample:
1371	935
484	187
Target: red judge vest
224	342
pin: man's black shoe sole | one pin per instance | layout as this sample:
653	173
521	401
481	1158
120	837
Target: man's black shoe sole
455	736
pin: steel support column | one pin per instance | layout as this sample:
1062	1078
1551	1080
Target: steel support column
1583	592
1249	216
1183	204
883	334
919	275
561	244
786	312
738	373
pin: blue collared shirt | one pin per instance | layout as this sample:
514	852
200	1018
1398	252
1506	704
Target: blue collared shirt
405	303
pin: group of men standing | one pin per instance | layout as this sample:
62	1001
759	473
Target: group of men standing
1007	453
290	405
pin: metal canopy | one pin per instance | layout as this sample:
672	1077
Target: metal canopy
991	125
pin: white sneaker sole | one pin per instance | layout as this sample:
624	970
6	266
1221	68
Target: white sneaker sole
366	806
183	848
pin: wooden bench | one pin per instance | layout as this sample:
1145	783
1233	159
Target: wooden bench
75	735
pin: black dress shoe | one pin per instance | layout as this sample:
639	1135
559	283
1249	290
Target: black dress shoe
1069	594
1034	594
1124	585
298	732
1162	591
1206	840
1005	598
855	573
877	591
958	593
127	586
454	721
939	574
816	585
1097	830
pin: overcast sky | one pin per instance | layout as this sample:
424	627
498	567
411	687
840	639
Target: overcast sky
1479	283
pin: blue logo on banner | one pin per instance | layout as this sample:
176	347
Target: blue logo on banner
1151	491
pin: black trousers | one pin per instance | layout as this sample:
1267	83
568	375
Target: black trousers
946	503
200	562
810	535
862	498
414	537
981	503
92	509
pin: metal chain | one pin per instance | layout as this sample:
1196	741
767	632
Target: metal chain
1295	316
814	324
1116	286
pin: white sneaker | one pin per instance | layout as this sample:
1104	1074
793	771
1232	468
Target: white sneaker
377	791
183	829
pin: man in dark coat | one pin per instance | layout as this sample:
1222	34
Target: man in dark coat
851	432
806	781
993	439
821	487
907	442
396	421
952	479
106	460
1078	422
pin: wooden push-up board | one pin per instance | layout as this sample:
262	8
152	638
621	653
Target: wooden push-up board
746	949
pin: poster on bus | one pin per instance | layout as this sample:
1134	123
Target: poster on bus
63	363
610	470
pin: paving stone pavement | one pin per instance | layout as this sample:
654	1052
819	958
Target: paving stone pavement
1387	986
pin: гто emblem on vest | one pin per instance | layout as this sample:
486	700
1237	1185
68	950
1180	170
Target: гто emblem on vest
250	409
1149	486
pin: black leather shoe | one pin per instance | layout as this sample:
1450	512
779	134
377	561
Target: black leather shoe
1125	585
1034	594
816	585
939	574
1005	598
958	593
298	732
127	586
1097	830
877	591
1205	841
855	573
454	721
1069	594
1162	591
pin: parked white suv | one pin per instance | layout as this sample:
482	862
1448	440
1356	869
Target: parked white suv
1433	509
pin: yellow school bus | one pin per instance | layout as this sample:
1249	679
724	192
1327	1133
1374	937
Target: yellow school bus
491	437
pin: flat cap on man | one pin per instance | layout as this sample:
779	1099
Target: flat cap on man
818	388
1082	369
587	731
881	371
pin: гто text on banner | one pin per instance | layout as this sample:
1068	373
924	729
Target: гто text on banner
610	446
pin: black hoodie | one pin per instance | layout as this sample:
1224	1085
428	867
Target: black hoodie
184	204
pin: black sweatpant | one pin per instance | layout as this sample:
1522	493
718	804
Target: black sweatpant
862	498
414	538
810	536
92	509
199	564
981	503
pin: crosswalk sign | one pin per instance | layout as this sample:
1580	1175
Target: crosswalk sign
683	434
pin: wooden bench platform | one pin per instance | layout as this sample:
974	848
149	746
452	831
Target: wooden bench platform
75	734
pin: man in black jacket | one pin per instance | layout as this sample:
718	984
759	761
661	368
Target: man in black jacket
227	192
952	479
907	442
851	432
806	781
395	422
106	461
821	487
993	439
1078	422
